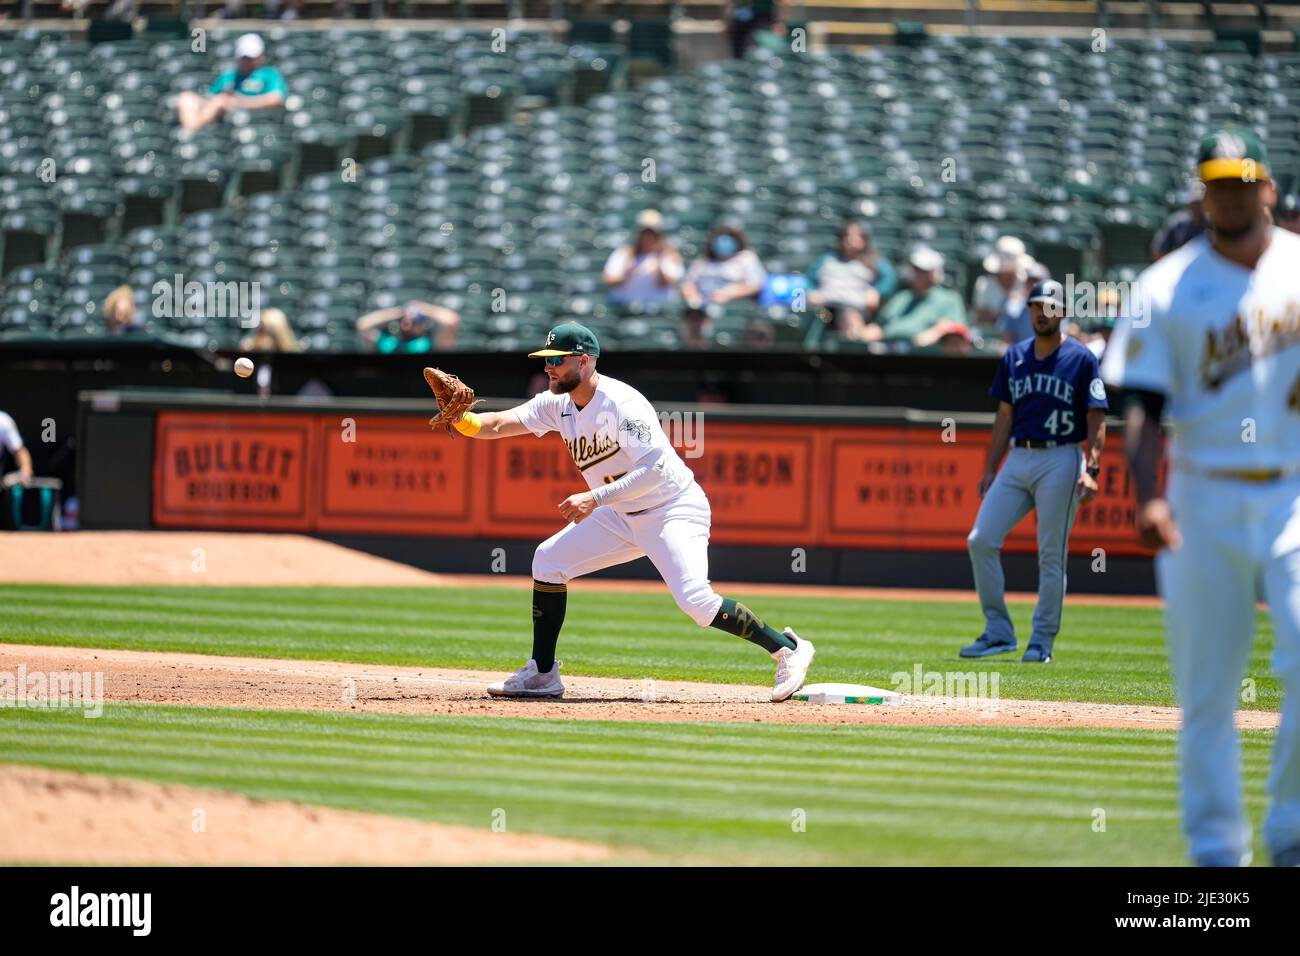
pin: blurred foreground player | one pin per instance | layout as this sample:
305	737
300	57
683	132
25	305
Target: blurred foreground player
1214	340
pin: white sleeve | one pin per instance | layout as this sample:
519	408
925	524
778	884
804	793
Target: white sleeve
755	274
616	264
645	477
541	413
1139	353
672	268
9	436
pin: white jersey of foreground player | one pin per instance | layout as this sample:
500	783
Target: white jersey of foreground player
1222	342
616	431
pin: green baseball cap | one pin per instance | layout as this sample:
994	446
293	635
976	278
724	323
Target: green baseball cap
1232	152
568	338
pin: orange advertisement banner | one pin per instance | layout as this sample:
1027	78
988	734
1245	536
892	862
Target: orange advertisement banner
904	487
899	487
221	470
889	484
759	479
384	473
527	478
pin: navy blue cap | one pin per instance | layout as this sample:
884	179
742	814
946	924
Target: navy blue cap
1048	291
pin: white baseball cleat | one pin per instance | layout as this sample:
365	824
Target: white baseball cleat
529	682
792	666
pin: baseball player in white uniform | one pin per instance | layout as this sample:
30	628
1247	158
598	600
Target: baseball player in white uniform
642	499
11	441
1213	338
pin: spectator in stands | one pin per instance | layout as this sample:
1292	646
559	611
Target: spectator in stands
119	312
272	334
646	271
1002	287
12	442
1184	225
1288	212
926	311
954	338
414	327
746	17
851	282
1017	324
251	85
728	271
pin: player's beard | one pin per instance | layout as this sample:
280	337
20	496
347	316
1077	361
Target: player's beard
1235	233
562	386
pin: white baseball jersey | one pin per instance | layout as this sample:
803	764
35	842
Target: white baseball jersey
617	430
1222	342
10	440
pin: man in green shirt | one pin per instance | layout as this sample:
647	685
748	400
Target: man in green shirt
251	85
925	311
414	327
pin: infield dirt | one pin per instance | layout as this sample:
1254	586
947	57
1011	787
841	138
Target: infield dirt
211	681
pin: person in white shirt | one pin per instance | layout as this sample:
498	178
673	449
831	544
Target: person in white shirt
646	271
12	442
1001	290
642	500
729	270
1212	337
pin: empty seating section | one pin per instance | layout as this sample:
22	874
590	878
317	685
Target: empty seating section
951	143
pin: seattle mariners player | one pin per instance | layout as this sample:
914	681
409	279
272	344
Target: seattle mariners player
643	500
1214	339
1050	398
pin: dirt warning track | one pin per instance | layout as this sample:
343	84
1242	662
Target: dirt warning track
211	681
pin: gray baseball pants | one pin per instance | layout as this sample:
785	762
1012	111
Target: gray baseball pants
1046	480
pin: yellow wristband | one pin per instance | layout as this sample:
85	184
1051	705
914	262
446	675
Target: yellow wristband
469	425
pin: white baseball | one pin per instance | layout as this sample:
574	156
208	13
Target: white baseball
243	366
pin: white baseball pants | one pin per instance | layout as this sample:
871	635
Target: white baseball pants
674	536
1240	540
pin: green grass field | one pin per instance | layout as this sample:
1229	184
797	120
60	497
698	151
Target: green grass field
718	793
693	792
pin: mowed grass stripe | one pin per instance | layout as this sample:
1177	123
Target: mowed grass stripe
873	794
651	758
396	735
944	782
595	789
1111	654
389	730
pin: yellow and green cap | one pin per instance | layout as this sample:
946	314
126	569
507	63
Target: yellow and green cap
1232	152
568	338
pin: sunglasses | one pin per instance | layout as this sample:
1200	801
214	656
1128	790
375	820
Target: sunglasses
554	360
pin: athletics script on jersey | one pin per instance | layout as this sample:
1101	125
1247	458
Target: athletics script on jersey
587	450
1230	350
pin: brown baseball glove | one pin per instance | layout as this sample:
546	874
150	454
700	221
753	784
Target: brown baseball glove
455	398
